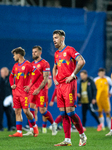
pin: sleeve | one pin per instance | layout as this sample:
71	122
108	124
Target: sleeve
74	54
50	76
54	94
35	74
46	67
11	77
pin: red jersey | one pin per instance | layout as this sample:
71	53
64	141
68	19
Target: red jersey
66	63
21	75
43	66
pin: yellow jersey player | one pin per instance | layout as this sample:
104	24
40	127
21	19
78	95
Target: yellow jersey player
102	84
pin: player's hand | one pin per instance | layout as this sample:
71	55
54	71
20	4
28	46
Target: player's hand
93	101
36	92
56	82
13	86
51	103
27	88
69	79
78	95
109	95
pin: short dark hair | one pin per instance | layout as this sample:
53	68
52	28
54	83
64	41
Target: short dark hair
83	71
18	50
101	69
37	46
60	32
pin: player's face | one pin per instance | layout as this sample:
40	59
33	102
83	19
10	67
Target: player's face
16	57
3	74
36	53
83	76
101	74
58	40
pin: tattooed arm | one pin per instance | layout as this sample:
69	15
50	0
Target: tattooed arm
43	83
80	63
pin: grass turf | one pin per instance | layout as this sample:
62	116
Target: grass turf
96	141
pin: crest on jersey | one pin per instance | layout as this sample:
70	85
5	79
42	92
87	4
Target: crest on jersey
56	56
38	65
23	68
33	66
64	54
15	68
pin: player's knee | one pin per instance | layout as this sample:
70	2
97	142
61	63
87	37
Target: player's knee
18	112
69	109
108	114
42	110
100	115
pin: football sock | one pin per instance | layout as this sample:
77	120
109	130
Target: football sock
19	126
108	122
111	123
44	124
101	119
76	121
67	126
48	116
32	110
58	119
33	123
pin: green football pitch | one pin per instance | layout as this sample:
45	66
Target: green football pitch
96	141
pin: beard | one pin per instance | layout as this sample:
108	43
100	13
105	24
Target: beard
16	60
35	57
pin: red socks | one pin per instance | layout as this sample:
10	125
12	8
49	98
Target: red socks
67	126
58	119
49	117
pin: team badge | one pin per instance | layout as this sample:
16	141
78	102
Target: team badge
15	68
56	56
23	68
33	66
64	54
38	65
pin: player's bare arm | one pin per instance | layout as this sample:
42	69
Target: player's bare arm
80	63
49	83
54	74
45	76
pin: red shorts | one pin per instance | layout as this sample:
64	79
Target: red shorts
41	100
66	94
20	101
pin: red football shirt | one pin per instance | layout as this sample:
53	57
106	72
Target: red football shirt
43	66
66	63
20	75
